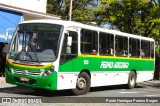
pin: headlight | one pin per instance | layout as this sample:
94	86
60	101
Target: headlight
48	72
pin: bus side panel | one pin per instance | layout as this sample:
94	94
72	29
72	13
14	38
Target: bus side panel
108	78
106	70
144	76
66	80
67	76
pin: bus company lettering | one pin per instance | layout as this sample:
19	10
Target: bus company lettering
106	64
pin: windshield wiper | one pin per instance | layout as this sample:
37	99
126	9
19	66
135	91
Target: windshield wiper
36	56
32	46
16	58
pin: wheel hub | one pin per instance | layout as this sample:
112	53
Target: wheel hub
81	83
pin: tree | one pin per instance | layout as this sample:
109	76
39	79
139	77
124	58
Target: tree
54	7
156	20
82	10
131	16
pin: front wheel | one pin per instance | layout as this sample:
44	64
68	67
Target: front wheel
132	80
82	84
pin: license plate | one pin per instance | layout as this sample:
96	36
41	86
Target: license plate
24	79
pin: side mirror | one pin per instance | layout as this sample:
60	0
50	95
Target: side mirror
69	41
69	44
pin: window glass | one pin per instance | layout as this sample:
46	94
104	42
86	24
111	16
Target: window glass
69	51
134	47
152	49
145	48
89	41
106	44
14	46
36	42
121	47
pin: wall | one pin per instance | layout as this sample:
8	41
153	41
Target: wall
34	5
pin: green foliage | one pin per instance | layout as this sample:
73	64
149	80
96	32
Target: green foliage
82	10
157	52
141	17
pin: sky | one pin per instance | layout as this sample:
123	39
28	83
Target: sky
8	20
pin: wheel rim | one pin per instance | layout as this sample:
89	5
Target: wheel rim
132	80
81	83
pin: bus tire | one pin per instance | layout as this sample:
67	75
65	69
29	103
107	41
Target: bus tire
83	84
131	80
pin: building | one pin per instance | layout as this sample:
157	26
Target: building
12	12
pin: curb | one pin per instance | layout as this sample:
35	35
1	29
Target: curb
153	83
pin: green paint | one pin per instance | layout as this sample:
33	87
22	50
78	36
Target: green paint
116	64
45	82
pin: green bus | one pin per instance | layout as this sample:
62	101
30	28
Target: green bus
58	54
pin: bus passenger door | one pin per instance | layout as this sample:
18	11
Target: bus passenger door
69	51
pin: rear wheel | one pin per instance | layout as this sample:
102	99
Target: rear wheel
82	84
131	80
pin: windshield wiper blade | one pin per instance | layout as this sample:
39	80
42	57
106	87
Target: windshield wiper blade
37	57
35	52
16	58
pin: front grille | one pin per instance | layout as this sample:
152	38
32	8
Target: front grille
26	72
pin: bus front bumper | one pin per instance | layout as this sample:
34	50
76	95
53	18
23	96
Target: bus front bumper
44	82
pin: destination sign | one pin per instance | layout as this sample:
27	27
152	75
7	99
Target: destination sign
40	27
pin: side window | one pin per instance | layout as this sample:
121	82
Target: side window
14	45
74	45
69	51
134	47
17	43
152	49
106	44
121	47
145	49
89	41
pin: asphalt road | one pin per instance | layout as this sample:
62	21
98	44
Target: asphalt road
96	95
141	90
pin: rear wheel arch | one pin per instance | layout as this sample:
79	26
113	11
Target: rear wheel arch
135	72
87	71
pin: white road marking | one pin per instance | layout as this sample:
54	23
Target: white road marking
128	92
152	95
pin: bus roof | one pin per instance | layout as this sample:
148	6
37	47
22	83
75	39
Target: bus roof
80	25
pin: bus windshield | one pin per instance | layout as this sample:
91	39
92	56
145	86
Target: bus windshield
35	42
